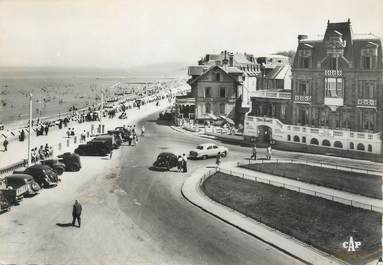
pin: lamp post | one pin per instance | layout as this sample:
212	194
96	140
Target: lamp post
30	129
102	107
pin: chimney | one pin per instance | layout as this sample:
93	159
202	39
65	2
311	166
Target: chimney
302	37
231	59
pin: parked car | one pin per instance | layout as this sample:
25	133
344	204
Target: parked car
71	161
5	205
121	136
208	150
57	166
12	195
92	149
43	175
18	180
165	161
108	141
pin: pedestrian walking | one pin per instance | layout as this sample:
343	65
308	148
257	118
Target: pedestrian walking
179	163
269	152
254	152
46	129
22	135
184	163
5	144
218	159
76	213
68	132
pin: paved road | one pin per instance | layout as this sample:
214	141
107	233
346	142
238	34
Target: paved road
131	215
185	233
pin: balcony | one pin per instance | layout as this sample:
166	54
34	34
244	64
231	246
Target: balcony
366	102
302	99
333	102
270	94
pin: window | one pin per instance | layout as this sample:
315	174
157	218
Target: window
351	145
288	137
314	141
217	77
368	118
283	111
369	148
210	147
366	62
334	63
207	92
338	144
296	138
302	88
334	87
215	147
222	92
304	62
367	89
326	143
360	147
207	108
222	108
303	139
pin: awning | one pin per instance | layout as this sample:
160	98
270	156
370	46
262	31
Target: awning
212	116
227	119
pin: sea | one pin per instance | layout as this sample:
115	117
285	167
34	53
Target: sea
56	90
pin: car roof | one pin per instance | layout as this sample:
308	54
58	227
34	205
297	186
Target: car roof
166	153
39	166
206	144
20	176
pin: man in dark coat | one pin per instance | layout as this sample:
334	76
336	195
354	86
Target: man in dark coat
76	213
184	163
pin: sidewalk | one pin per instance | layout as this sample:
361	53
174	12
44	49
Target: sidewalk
18	150
192	192
320	191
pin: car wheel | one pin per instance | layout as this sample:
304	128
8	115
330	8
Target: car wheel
224	154
204	157
35	187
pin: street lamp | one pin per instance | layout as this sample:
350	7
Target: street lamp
30	129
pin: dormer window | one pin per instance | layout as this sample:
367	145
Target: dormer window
304	58
369	56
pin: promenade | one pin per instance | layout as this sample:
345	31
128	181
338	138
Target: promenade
59	140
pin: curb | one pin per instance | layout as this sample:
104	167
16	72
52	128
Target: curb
191	191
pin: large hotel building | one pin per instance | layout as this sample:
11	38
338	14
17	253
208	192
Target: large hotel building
336	97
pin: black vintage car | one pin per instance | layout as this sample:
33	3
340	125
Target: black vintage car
55	164
17	180
165	161
43	175
71	161
92	149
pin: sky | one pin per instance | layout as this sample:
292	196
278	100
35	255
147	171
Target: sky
126	33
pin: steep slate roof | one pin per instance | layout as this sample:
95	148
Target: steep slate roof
229	71
352	50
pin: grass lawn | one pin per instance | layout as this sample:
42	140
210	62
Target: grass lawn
322	223
354	182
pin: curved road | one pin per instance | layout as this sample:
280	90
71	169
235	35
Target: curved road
186	234
133	215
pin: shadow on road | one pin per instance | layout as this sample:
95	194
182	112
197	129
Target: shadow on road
64	224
